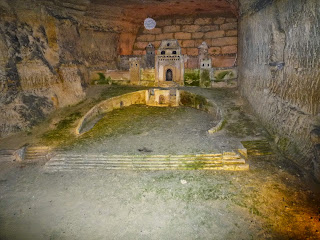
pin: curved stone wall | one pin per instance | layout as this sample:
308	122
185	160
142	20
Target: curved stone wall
142	97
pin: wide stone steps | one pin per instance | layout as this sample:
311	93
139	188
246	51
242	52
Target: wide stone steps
36	153
225	161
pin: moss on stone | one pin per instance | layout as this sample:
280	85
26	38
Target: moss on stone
192	77
195	165
102	79
221	75
61	133
283	144
193	100
205	80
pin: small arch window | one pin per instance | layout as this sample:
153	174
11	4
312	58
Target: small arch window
202	65
174	52
163	52
168	44
208	65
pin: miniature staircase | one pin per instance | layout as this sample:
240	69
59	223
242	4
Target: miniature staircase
226	161
36	153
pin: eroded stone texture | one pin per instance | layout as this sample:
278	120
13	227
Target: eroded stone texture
279	71
33	79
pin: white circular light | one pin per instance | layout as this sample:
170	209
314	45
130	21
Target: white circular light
149	23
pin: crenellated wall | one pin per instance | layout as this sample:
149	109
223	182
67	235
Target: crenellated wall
279	72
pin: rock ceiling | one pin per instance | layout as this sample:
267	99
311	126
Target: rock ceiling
119	15
125	12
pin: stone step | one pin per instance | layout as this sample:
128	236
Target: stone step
214	161
36	153
79	162
7	155
235	167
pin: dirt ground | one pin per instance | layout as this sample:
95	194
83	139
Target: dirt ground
274	200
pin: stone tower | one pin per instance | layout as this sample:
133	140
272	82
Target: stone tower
169	65
150	57
134	71
203	53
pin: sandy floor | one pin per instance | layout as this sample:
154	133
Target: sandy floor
271	201
264	203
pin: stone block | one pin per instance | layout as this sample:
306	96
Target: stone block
152	31
140	45
139	52
219	20
226	41
184	21
164	36
164	22
203	21
125	43
182	35
229	49
214	50
193	63
156	44
223	61
183	51
198	42
231	33
208	41
190	28
146	38
197	35
209	28
215	34
170	29
231	20
229	26
192	51
188	43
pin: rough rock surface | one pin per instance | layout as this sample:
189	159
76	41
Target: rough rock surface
44	61
279	71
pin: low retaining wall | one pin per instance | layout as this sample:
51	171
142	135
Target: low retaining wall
109	105
140	97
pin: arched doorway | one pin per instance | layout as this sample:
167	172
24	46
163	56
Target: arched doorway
169	75
162	99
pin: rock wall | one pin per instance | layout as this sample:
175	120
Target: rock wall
220	34
279	49
46	53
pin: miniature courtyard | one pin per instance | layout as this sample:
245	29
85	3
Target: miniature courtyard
269	201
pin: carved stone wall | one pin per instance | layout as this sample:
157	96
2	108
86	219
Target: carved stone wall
279	49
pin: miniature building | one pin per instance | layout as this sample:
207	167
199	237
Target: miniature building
203	53
205	63
163	97
134	71
169	64
150	58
